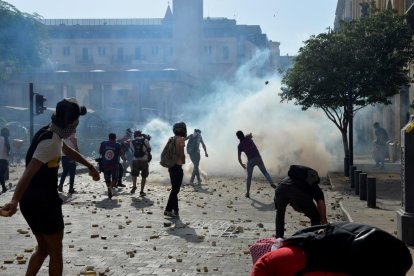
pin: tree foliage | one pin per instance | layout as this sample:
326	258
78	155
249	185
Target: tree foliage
367	61
21	40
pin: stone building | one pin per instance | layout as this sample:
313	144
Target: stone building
135	69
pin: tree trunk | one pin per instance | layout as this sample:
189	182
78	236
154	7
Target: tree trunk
345	143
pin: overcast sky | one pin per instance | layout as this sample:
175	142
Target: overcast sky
288	21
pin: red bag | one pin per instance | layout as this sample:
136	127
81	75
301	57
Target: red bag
261	247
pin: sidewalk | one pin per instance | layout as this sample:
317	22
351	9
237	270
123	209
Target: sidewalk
388	194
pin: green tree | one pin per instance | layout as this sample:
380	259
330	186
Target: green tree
365	63
21	40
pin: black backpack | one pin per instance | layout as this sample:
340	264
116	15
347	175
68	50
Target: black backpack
139	144
353	248
304	174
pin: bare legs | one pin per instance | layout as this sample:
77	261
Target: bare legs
47	245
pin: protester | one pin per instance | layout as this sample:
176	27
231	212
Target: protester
141	150
193	149
247	146
36	190
69	165
299	189
119	184
126	150
176	171
110	152
4	157
337	248
380	145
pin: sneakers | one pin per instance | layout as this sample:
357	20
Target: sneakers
73	191
247	195
109	192
121	185
142	194
4	190
171	214
273	186
133	190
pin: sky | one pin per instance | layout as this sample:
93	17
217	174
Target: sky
289	22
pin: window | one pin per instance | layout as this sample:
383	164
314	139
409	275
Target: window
207	50
154	50
138	53
85	54
120	54
66	51
101	51
226	53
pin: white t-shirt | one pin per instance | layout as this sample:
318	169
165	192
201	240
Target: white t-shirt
49	151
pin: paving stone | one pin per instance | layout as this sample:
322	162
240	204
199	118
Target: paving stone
209	236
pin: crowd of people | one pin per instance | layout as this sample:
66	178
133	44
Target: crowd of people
37	191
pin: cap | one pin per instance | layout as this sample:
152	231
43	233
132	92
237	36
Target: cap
67	111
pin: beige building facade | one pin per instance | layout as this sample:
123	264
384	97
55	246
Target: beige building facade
136	69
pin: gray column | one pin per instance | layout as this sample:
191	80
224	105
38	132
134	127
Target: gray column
405	216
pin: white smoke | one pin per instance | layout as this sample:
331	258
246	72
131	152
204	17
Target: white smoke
283	132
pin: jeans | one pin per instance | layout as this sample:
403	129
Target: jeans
251	163
69	167
195	158
176	177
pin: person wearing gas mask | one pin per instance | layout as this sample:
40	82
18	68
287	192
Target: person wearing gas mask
36	191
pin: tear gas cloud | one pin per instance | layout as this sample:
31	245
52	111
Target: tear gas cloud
283	133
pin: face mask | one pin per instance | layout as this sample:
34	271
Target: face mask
64	132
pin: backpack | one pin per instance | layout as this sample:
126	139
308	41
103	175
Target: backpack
169	155
192	145
139	144
353	248
304	174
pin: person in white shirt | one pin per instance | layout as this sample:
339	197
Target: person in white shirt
36	193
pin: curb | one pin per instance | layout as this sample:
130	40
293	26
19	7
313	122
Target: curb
344	211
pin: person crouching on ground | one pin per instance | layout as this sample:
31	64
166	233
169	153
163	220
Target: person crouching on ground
299	189
36	190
